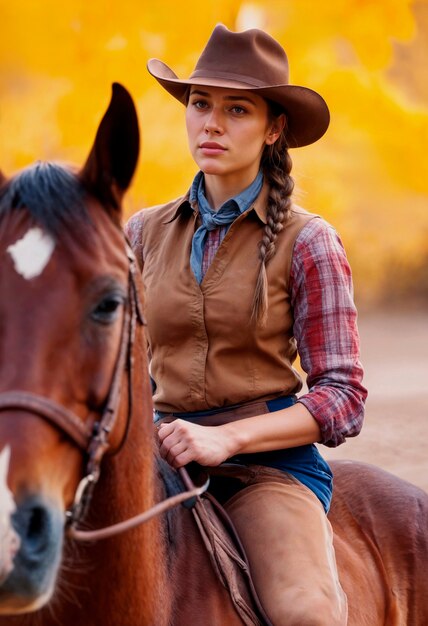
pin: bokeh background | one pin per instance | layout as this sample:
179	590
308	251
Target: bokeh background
368	175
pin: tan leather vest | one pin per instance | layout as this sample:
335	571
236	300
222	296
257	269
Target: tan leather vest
205	352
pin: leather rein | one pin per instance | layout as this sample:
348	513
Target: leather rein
93	441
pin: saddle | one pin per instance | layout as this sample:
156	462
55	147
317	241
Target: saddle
218	533
221	540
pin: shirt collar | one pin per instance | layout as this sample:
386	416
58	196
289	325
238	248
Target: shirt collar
260	203
189	201
243	200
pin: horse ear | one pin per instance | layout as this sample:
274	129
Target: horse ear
110	166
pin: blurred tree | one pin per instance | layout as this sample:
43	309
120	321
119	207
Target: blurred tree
366	57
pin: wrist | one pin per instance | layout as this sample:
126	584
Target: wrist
236	437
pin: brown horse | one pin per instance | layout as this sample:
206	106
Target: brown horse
75	404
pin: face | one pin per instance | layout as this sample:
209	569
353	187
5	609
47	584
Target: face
228	130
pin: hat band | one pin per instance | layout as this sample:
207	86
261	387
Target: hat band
245	80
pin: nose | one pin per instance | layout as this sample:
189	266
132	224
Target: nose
40	528
213	123
34	524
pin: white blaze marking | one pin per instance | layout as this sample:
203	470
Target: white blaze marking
32	253
7	504
9	540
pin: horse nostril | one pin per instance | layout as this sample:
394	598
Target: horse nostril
39	525
36	523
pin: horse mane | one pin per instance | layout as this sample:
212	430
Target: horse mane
52	194
169	477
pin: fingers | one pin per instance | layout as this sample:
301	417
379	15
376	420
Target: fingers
183	442
175	445
171	454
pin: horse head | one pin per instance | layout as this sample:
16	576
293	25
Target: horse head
65	307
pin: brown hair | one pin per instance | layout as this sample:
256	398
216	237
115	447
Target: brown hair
276	165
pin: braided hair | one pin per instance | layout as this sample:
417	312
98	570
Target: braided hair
276	165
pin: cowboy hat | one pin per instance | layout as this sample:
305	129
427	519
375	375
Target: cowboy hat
252	60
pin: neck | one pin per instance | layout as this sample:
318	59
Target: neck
219	189
129	485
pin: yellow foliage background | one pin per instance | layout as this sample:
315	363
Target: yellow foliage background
368	58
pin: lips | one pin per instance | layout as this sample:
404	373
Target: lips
211	148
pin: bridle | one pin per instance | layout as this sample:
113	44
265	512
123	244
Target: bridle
93	441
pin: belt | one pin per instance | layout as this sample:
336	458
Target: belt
232	414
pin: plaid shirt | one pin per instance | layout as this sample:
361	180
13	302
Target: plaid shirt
214	239
324	328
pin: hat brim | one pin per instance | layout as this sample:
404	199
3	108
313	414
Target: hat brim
307	113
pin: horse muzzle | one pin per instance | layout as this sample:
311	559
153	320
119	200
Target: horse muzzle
31	581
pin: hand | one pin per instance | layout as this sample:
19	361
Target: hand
183	442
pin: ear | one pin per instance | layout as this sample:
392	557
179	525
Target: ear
113	158
2	179
275	129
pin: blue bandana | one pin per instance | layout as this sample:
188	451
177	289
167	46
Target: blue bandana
211	220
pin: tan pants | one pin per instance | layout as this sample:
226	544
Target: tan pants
289	545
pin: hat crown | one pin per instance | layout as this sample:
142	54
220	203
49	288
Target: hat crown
252	57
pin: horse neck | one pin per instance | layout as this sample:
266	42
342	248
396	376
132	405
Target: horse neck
132	568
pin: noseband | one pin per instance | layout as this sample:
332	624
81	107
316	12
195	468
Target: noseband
93	441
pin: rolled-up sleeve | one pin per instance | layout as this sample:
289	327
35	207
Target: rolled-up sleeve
325	329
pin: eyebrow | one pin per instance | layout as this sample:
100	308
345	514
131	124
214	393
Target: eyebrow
206	94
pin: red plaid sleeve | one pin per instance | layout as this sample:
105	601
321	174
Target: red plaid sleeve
326	332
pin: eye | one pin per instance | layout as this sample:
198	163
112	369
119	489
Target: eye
238	109
108	309
200	104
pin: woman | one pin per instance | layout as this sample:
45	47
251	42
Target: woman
237	280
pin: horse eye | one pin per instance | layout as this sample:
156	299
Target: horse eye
107	310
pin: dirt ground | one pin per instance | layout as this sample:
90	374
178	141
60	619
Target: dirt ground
395	357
